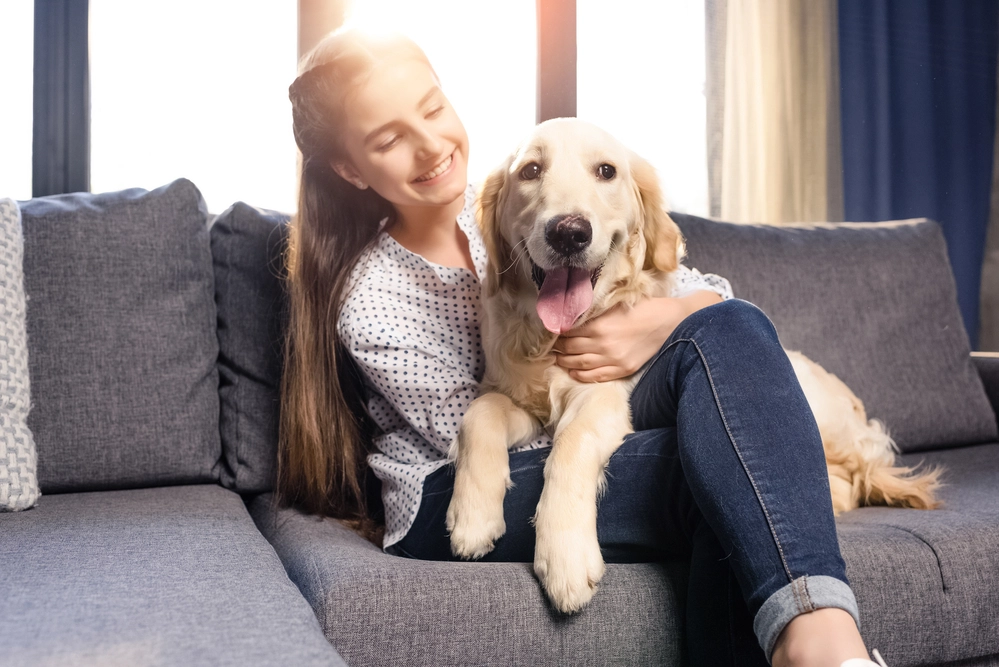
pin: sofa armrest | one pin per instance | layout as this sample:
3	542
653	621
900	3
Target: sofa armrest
987	364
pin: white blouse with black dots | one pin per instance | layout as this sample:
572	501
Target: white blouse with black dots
412	326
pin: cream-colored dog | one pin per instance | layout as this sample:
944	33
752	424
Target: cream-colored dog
574	223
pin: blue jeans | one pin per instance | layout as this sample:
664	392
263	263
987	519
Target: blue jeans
725	468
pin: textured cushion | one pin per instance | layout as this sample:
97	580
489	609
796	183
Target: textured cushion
247	247
18	459
165	576
378	609
121	332
873	303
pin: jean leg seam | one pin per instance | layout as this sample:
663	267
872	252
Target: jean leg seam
807	596
735	446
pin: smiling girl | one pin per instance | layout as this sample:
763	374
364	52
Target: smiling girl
383	357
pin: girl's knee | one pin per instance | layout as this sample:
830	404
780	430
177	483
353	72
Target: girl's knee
733	317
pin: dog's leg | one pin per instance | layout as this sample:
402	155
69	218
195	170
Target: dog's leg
491	426
567	557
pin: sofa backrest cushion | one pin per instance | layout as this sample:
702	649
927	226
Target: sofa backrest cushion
873	303
247	249
121	339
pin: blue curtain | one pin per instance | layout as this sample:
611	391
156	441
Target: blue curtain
61	127
918	98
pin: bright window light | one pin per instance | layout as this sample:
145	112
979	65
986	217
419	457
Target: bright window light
640	75
17	19
485	54
198	90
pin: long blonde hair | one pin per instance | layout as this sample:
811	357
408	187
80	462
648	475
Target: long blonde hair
325	434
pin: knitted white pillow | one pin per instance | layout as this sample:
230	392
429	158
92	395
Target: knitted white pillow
18	458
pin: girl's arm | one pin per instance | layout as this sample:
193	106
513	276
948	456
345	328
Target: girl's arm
620	341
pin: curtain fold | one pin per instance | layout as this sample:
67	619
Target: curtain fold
918	121
780	156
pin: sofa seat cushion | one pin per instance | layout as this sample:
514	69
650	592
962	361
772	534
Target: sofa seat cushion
379	609
160	576
924	580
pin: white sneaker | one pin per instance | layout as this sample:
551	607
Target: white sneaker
862	662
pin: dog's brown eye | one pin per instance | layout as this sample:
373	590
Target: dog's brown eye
607	171
530	171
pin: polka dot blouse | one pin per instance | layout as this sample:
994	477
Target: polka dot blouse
412	326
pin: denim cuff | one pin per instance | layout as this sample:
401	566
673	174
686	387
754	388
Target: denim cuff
802	595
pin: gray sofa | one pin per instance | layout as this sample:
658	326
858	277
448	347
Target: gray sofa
154	334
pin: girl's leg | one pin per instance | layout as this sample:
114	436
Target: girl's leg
753	460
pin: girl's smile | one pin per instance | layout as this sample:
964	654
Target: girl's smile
440	171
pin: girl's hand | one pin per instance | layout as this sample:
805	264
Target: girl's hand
620	341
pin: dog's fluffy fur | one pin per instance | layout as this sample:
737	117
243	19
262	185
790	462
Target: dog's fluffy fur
635	248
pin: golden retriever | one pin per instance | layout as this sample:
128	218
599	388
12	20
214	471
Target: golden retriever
601	204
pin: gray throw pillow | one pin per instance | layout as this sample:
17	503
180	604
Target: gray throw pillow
247	249
18	458
873	303
122	333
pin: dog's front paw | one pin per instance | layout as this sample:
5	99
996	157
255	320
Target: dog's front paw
569	566
475	524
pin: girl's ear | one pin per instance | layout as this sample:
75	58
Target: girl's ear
487	208
349	174
664	246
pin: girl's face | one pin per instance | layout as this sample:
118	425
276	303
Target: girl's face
403	139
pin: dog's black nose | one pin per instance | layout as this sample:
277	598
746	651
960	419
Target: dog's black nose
568	234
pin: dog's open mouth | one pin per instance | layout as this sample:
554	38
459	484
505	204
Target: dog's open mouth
564	294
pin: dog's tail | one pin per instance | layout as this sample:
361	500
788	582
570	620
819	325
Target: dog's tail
863	471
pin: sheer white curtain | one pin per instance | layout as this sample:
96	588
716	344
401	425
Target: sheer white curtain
16	49
781	155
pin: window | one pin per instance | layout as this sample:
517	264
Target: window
195	89
199	89
640	73
16	58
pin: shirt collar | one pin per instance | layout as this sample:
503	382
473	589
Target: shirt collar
446	274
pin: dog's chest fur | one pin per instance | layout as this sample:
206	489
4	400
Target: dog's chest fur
518	349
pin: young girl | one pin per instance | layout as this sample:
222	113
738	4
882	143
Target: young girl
383	357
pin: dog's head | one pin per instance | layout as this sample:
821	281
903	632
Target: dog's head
572	214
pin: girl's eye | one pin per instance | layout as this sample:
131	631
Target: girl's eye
530	171
389	144
436	112
606	171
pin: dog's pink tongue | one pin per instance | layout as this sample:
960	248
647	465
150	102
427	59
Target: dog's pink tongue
564	296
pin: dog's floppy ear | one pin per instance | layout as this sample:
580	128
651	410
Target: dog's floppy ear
664	245
487	207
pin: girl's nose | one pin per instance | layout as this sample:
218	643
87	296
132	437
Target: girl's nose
429	144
